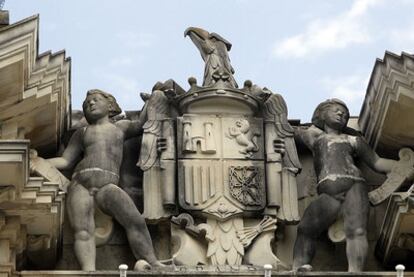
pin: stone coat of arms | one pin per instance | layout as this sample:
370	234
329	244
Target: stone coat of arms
219	179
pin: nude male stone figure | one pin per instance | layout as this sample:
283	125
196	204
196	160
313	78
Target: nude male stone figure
95	179
341	186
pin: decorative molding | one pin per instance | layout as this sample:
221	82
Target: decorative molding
385	117
34	89
397	229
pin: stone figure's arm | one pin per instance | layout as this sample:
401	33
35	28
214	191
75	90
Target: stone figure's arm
307	135
71	153
133	128
372	159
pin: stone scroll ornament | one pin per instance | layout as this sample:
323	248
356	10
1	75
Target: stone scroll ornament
41	167
214	51
282	169
400	173
158	164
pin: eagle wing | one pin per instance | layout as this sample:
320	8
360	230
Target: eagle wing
156	109
275	110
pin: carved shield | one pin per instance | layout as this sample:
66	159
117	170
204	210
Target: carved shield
221	166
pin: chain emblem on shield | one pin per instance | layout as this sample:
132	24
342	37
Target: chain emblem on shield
246	185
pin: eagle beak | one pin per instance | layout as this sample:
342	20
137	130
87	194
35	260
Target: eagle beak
145	96
203	34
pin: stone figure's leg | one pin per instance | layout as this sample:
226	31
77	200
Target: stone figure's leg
117	203
318	216
356	208
80	211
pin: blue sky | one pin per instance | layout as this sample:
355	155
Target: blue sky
308	51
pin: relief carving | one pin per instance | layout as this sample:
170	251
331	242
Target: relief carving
199	181
244	137
246	185
248	234
206	143
225	247
222	209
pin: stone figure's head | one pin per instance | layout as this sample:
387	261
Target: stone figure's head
243	125
333	113
98	104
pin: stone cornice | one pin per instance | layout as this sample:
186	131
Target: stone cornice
35	101
390	85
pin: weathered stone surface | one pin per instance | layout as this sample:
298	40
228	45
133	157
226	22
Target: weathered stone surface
386	113
341	186
226	156
31	211
223	175
201	271
214	51
34	89
157	157
97	150
396	241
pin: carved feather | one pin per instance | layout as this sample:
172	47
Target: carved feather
156	109
275	110
149	153
226	248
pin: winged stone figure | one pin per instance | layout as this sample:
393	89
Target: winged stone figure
157	155
156	108
282	169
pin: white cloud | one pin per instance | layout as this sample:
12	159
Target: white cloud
351	89
337	32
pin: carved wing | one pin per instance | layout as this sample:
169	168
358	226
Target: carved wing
275	110
156	109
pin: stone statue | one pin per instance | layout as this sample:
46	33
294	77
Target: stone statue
99	148
341	186
157	157
282	197
214	51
